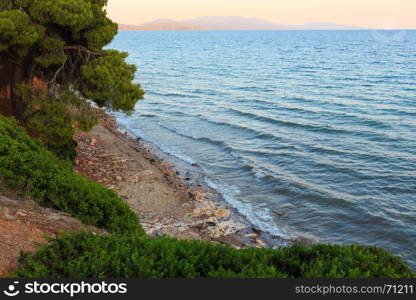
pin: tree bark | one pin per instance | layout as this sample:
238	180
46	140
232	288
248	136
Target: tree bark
16	80
23	72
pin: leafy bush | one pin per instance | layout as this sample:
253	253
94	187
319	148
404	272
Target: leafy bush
54	118
86	255
29	167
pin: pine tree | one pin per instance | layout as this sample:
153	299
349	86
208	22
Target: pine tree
61	43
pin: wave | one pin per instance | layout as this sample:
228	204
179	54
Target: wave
363	116
174	95
373	129
296	188
260	217
249	165
375	155
364	131
256	89
171	150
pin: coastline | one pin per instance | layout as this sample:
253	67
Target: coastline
169	201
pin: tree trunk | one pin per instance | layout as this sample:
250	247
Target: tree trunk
17	101
22	73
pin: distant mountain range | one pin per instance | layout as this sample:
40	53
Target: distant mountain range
231	23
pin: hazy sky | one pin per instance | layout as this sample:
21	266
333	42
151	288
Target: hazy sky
381	14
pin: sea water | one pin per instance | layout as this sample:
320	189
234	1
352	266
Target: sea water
306	133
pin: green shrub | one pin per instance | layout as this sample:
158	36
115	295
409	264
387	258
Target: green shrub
27	166
53	118
86	255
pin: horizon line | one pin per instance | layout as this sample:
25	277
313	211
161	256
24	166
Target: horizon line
357	29
271	22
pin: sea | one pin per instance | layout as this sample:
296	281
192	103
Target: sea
307	134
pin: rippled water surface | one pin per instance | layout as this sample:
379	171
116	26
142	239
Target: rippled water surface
319	126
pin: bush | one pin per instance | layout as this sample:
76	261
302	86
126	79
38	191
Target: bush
36	172
52	125
86	255
54	119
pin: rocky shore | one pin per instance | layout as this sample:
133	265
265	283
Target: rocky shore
167	202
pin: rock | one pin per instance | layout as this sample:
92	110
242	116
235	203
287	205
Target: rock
278	213
224	229
144	174
199	196
260	244
256	230
21	213
119	178
170	172
165	165
211	224
6	214
252	237
222	213
204	208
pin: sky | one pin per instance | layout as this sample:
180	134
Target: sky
380	14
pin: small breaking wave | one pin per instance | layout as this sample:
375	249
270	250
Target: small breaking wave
171	150
260	217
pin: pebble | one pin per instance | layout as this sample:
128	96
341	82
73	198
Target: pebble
21	214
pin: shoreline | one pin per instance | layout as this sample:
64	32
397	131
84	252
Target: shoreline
167	200
195	177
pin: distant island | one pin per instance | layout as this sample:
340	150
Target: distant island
230	23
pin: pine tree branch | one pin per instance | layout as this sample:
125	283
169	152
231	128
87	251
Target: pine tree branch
84	50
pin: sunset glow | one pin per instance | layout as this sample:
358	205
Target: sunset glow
381	14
